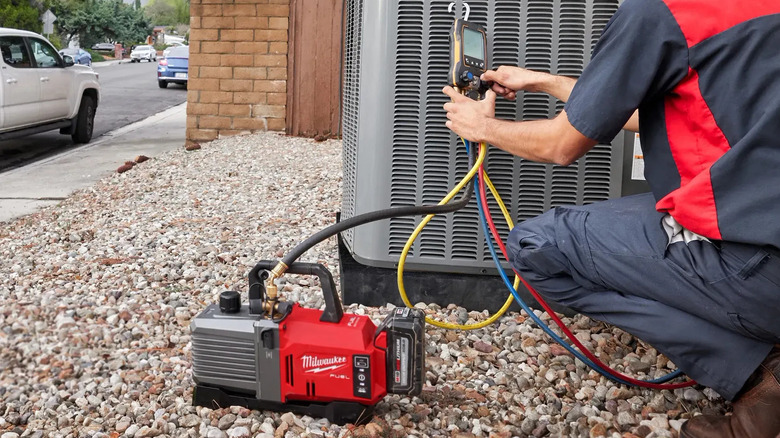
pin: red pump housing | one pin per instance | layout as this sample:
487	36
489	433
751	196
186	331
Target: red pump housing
326	362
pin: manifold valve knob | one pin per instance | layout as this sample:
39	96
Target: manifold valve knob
229	302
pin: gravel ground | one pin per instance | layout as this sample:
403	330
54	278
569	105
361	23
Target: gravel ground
97	293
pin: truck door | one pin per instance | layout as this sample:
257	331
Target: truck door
20	84
55	81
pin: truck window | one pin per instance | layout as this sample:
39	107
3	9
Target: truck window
14	52
45	55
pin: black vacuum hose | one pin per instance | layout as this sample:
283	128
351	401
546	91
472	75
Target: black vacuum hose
388	213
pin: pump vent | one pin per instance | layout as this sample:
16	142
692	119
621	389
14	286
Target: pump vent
217	357
289	372
311	390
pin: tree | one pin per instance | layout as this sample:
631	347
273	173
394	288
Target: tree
161	13
168	12
101	20
182	8
20	14
182	29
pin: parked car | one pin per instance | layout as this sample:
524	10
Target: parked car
40	91
170	46
103	47
174	67
79	56
143	52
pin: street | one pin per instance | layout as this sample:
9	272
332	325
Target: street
129	93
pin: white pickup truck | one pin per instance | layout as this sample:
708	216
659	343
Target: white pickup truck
41	91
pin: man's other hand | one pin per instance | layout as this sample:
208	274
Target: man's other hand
468	118
508	80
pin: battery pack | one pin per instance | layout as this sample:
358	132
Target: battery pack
405	350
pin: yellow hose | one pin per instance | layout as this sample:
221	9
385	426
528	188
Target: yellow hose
401	262
500	202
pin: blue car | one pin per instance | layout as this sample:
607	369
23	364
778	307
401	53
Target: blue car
174	67
80	56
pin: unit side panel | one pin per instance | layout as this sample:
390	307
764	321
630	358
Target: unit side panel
374	174
353	34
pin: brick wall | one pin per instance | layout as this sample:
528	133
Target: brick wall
238	67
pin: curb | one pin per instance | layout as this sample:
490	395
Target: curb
109	63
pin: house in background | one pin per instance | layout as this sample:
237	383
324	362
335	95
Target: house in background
158	34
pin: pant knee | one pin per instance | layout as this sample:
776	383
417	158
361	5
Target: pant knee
530	235
536	258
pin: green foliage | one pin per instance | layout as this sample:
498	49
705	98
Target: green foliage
20	14
160	13
182	8
101	20
168	12
96	56
56	41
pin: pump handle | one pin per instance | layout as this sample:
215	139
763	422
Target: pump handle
333	310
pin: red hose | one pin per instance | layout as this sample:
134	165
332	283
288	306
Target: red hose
569	334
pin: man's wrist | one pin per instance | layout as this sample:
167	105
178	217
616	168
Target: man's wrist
487	127
543	82
557	86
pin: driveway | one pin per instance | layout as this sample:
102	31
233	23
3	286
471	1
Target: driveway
129	93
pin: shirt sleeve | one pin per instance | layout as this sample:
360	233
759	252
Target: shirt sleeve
642	53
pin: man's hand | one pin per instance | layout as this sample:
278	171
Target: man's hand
508	80
468	118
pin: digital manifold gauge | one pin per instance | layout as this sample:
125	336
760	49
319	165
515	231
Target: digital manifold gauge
468	51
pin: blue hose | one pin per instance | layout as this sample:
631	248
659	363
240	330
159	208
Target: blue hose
537	320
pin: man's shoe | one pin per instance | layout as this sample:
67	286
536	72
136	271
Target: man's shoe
756	412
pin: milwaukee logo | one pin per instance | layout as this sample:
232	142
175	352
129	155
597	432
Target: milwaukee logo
316	364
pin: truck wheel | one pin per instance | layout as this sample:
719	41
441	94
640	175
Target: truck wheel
162	84
85	121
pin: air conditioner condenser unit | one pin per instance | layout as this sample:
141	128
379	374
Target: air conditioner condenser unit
397	150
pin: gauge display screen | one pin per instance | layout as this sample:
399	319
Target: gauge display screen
473	43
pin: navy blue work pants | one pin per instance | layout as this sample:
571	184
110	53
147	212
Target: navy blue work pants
713	308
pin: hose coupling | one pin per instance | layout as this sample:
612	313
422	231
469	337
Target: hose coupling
278	270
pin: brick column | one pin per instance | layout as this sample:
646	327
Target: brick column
238	67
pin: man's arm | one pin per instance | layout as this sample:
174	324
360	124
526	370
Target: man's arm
548	141
509	80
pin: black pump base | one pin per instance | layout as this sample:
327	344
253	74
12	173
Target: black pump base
336	412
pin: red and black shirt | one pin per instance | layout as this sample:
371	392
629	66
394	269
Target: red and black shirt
705	76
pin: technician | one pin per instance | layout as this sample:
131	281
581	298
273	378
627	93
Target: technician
694	267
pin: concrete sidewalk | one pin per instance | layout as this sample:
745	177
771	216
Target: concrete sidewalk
26	189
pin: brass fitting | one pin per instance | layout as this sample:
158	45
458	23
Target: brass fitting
270	307
272	290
